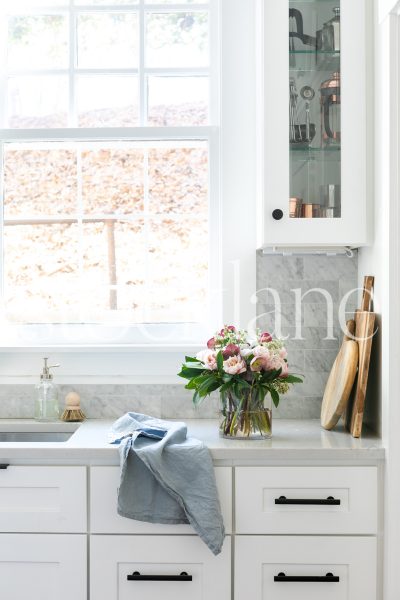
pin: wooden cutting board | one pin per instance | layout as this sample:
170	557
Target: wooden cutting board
365	322
340	381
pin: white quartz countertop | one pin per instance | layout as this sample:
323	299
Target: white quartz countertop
293	440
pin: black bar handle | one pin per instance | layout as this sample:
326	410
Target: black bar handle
4	466
330	501
328	578
136	576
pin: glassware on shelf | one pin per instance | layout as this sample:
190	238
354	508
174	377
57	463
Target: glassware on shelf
330	110
328	37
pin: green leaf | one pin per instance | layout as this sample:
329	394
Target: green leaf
189	359
220	361
293	379
274	396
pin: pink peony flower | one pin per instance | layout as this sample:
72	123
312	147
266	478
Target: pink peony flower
227	328
285	370
211	343
234	365
265	337
257	364
261	352
245	352
209	358
283	353
230	350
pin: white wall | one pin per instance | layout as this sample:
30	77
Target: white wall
382	259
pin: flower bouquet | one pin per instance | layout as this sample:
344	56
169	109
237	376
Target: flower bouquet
250	374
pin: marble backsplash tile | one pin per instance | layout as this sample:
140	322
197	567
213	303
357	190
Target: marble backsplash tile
312	355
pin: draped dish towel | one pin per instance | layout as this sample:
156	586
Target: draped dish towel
167	477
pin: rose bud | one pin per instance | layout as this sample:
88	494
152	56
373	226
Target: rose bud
230	350
265	337
211	343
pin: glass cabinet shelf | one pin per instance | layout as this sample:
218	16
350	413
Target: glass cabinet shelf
315	154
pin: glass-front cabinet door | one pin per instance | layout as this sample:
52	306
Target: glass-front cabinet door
315	72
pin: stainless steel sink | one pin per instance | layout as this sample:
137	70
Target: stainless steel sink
35	436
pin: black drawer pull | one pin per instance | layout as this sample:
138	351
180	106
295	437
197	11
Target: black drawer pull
330	501
136	576
328	578
4	466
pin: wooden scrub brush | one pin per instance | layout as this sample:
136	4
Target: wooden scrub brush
72	410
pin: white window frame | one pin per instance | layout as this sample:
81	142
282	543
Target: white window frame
233	217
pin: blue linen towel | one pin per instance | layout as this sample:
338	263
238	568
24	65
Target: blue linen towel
167	477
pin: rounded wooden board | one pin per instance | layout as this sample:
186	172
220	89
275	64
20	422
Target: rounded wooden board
339	384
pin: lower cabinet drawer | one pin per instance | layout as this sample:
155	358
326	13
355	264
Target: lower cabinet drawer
43	499
306	500
43	567
288	568
104	482
117	564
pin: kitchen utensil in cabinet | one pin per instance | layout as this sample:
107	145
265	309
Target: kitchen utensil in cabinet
365	323
330	110
307	93
307	40
328	37
299	133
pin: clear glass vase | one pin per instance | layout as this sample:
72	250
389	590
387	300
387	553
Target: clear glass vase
246	417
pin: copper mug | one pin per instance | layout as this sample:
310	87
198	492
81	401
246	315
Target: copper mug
295	204
311	211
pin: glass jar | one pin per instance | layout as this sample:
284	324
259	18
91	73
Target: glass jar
248	416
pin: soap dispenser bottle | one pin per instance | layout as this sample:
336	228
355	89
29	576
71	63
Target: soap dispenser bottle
46	403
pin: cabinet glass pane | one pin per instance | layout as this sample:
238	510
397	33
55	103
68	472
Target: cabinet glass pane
314	109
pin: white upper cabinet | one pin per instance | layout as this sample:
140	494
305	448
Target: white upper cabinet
317	130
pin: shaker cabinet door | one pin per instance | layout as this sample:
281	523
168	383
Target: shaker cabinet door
43	567
316	129
150	567
305	568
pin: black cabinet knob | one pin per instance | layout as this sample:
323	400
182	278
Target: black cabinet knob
277	214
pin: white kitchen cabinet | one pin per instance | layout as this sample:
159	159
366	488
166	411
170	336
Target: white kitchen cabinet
104	482
306	500
317	122
118	563
280	568
43	499
43	567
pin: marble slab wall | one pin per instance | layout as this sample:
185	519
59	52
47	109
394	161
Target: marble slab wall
312	355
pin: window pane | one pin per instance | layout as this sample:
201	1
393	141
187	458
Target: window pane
112	181
186	171
107	40
39	101
177	40
11	5
37	42
41	272
104	2
107	101
175	2
39	182
114	265
178	263
177	101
